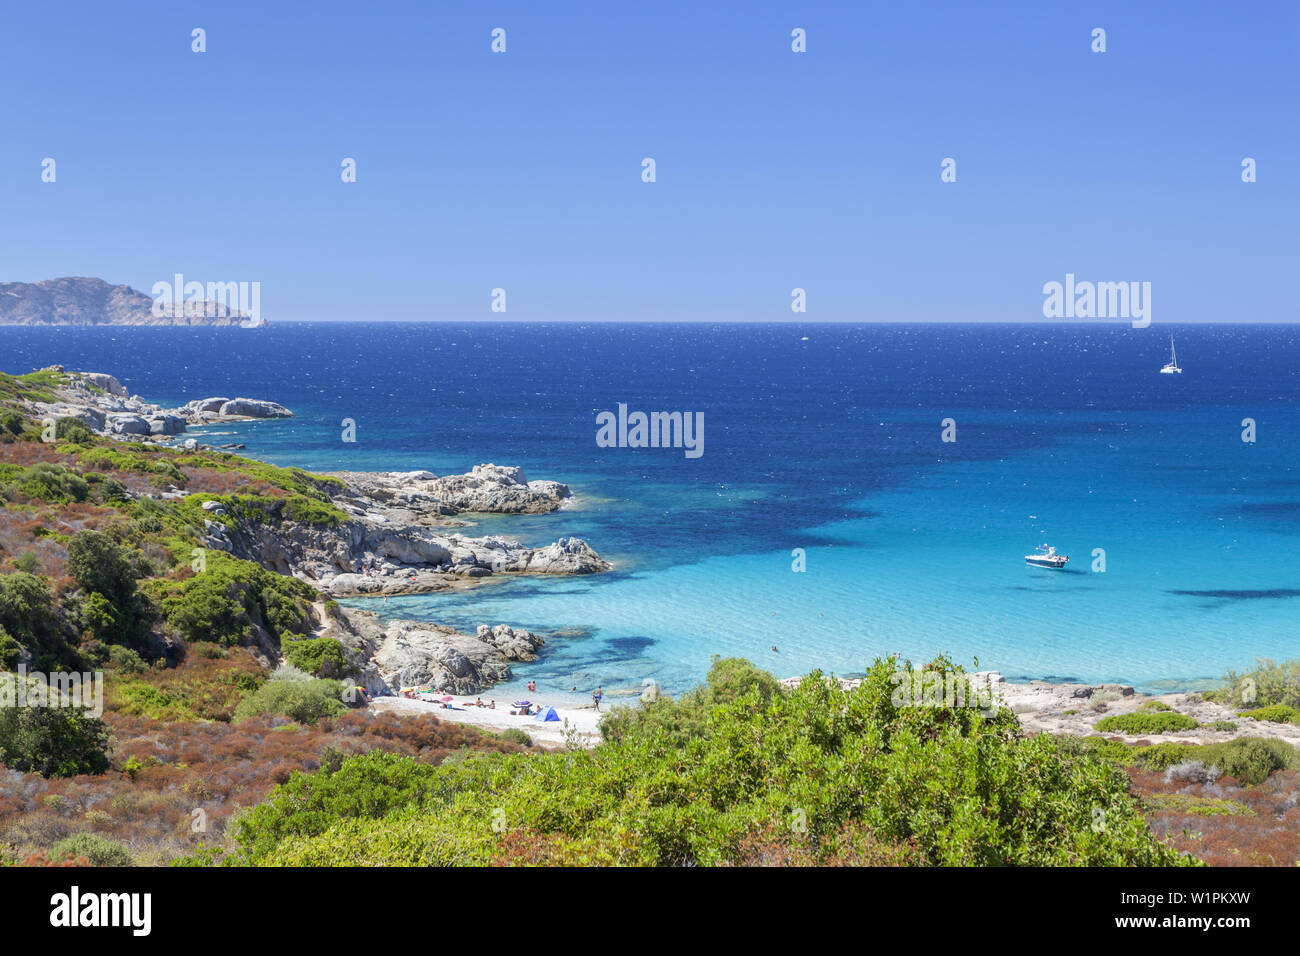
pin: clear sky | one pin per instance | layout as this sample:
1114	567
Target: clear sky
775	170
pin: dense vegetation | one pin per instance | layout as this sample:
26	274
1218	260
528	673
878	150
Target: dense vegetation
739	771
52	741
96	561
1248	760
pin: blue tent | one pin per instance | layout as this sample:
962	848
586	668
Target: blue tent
547	714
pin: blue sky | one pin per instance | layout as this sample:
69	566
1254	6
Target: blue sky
775	170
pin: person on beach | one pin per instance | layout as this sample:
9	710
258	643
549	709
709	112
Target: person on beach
596	695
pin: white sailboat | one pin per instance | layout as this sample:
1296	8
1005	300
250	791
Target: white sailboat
1171	367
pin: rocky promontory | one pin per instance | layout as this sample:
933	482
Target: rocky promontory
104	405
80	300
372	555
421	497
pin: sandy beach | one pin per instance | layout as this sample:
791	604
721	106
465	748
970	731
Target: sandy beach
549	734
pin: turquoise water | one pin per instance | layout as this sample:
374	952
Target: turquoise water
1065	435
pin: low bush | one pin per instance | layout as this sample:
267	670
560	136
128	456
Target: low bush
74	430
99	850
1273	713
1146	722
319	656
1269	682
302	701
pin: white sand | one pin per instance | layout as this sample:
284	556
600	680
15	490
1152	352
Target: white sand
549	734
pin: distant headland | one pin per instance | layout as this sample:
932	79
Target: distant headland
92	301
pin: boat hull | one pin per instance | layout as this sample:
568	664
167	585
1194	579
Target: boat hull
1052	564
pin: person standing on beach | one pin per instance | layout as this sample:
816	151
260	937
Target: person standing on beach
596	695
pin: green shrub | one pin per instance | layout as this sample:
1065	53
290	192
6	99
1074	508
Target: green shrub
942	785
1160	757
99	850
1223	725
74	430
1250	760
223	602
126	661
1268	683
320	656
1159	705
46	481
515	735
112	491
1274	713
302	701
1146	722
115	610
11	651
51	741
1112	750
28	615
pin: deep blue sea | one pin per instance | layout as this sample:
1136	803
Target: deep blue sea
820	437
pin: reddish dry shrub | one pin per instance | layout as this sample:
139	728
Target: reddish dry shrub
168	778
1266	834
43	859
854	844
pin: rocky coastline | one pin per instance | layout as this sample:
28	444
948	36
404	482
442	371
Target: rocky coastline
400	536
104	405
399	542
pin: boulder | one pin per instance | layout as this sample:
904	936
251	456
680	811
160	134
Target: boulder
254	408
566	556
108	383
417	654
166	425
128	425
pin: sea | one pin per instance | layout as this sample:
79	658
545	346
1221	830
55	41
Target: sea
827	522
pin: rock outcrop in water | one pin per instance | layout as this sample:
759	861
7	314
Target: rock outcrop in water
400	541
106	406
416	497
373	558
